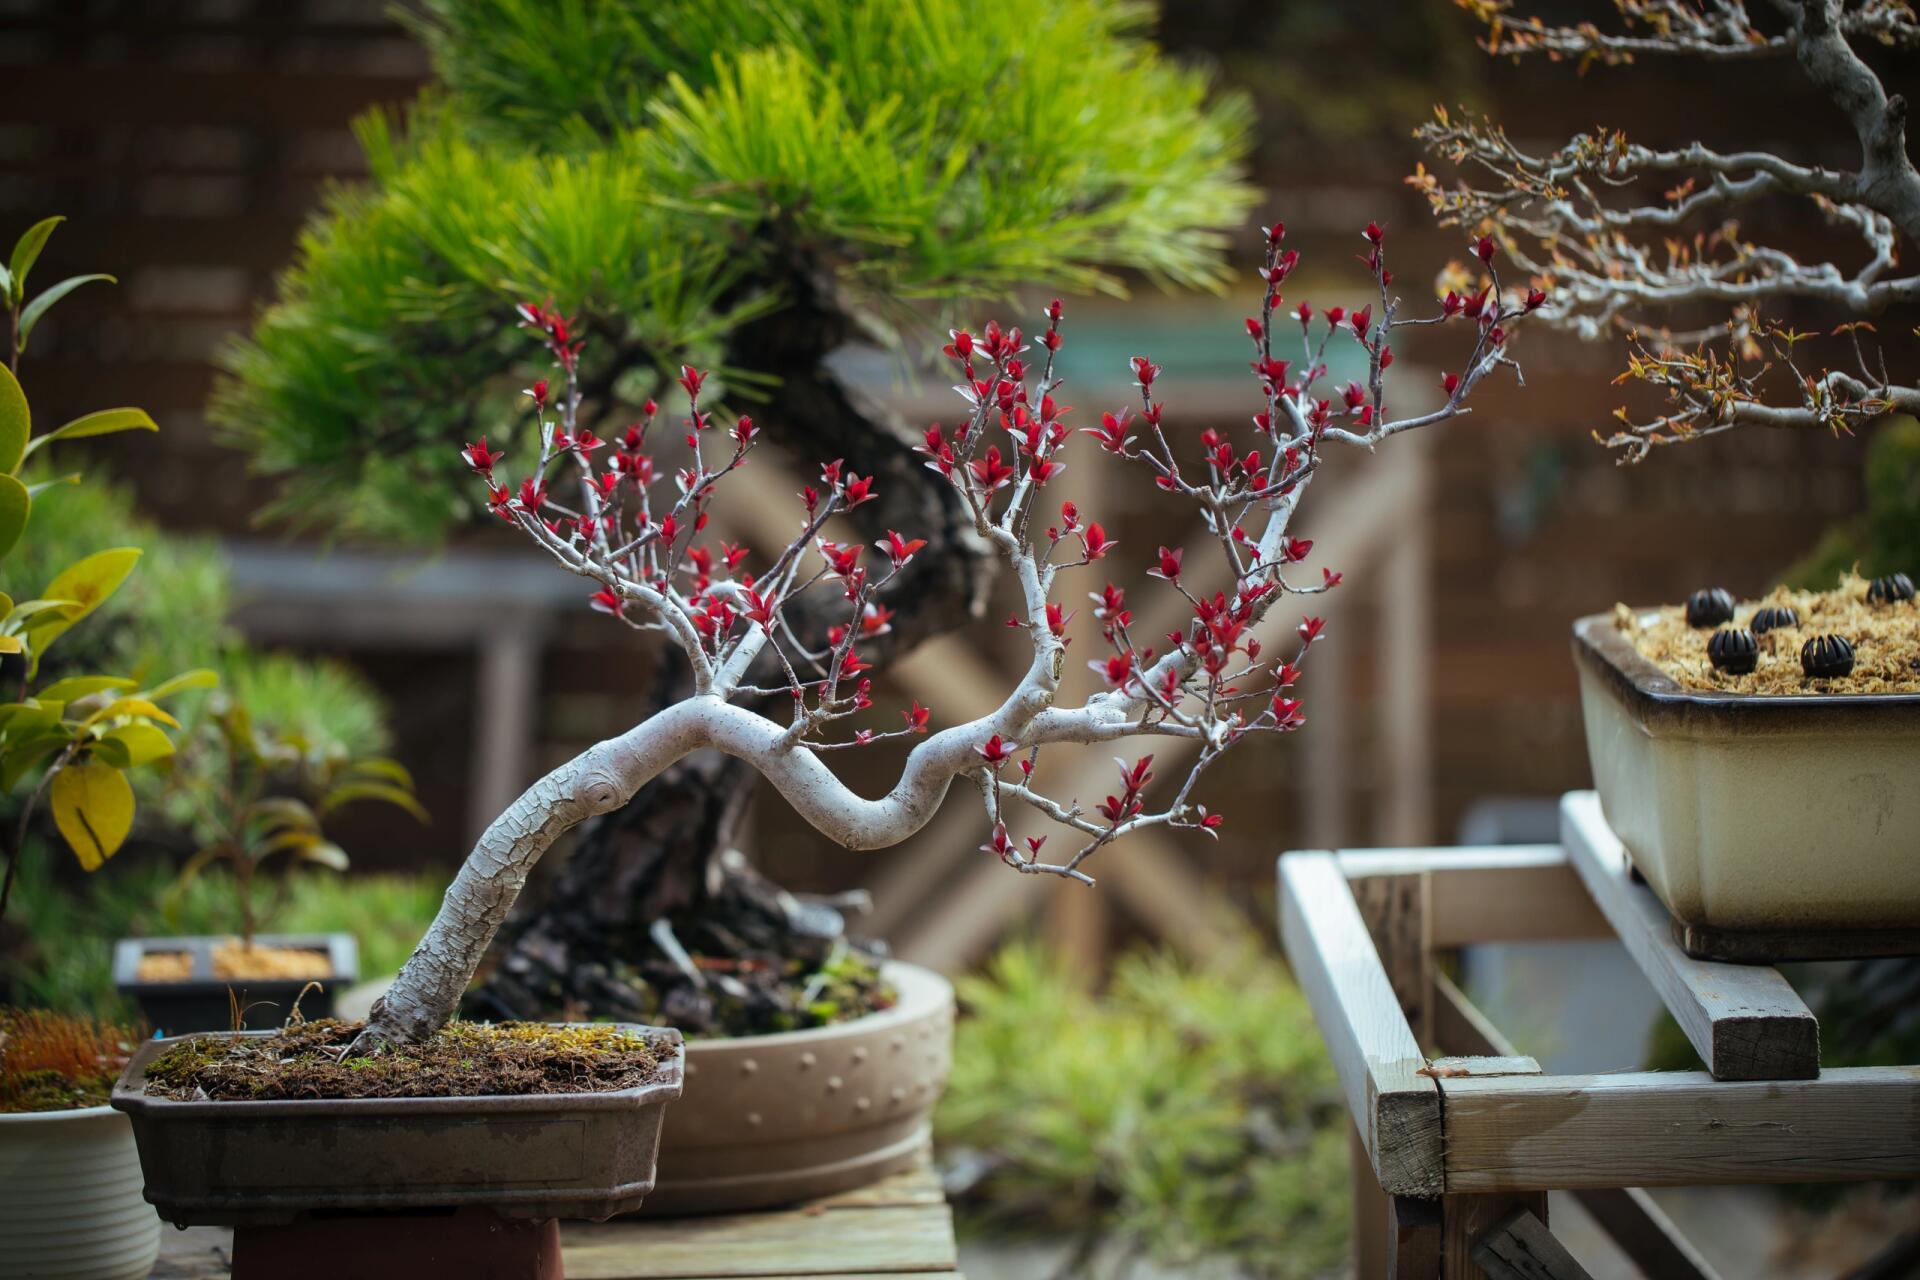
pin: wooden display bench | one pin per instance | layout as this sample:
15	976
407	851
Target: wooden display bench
1454	1155
898	1227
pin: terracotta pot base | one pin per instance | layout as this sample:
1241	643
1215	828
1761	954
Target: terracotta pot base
771	1120
470	1243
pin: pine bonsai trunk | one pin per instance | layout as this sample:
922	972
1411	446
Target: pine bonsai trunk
658	856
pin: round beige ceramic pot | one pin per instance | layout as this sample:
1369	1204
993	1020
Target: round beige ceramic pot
768	1120
71	1206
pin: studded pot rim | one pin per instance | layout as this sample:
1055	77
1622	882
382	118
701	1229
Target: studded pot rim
920	990
769	1120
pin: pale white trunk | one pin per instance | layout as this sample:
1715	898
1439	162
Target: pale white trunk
429	986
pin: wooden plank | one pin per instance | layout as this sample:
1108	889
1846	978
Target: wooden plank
1397	915
1680	1128
1395	1109
796	1242
1501	893
1629	1215
1642	1230
1506	1064
1521	1248
1745	1021
1468	1219
904	1217
916	1186
1372	1213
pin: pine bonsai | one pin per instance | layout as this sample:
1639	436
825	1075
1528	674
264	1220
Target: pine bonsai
736	186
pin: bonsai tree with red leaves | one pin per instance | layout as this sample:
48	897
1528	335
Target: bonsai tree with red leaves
747	188
608	510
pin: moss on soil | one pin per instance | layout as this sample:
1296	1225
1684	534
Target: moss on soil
1885	639
55	1062
461	1060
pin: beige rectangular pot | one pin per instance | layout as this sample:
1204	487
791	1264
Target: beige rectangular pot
1763	815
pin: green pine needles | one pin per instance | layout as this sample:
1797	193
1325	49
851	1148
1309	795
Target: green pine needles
665	171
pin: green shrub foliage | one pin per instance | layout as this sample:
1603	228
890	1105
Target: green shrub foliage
1190	1112
666	171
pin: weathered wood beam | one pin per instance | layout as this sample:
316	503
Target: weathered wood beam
1519	1247
1375	1055
1745	1021
1516	893
1680	1128
1638	1226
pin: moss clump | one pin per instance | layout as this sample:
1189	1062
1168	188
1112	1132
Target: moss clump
462	1060
52	1062
1885	639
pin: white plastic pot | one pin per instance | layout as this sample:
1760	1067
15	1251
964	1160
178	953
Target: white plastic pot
71	1202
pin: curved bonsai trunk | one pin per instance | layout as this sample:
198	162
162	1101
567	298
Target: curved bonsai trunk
657	856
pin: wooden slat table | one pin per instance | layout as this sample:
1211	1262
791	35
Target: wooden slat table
899	1227
1454	1155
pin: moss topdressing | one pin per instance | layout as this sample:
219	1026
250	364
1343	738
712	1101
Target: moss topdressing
53	1062
461	1060
1885	639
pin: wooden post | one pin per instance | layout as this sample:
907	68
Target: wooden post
1398	912
1370	1214
1415	1237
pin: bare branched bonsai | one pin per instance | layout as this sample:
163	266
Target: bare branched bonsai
1657	245
605	510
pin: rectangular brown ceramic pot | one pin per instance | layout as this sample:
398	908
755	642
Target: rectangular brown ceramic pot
566	1155
202	1002
1775	815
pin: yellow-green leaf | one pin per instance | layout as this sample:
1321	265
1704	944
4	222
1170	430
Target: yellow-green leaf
11	644
16	504
93	807
31	313
144	743
101	422
348	792
86	583
39	487
16	422
198	678
83	686
26	251
132	707
328	855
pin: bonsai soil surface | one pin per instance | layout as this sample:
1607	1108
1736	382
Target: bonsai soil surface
1885	639
461	1060
237	960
